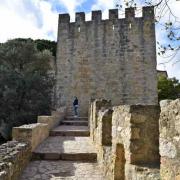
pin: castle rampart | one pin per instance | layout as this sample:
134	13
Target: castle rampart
112	59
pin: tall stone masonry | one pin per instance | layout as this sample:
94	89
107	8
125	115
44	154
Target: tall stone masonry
112	59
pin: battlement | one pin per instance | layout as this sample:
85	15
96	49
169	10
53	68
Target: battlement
107	58
80	17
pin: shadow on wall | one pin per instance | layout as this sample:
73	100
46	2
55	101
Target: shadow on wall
119	166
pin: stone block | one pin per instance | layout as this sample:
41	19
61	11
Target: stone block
148	12
51	121
130	12
96	15
80	17
32	133
170	139
167	148
14	157
135	133
64	18
113	14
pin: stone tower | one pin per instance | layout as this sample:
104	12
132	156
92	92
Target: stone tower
113	59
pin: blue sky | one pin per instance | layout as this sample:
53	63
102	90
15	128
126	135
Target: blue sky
38	19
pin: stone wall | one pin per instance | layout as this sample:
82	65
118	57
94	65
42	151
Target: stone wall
14	156
127	141
112	59
32	133
135	131
170	139
53	120
95	107
38	132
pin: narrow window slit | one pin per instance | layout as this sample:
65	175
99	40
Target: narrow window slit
79	29
113	27
130	25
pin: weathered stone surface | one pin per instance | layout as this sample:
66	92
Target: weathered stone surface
112	59
53	120
170	139
95	107
134	135
167	148
14	156
62	170
49	120
141	172
68	149
59	114
32	133
136	127
69	145
36	133
68	130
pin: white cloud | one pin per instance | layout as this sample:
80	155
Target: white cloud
19	19
71	6
32	18
104	5
36	19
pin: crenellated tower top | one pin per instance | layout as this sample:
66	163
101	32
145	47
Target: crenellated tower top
147	13
113	58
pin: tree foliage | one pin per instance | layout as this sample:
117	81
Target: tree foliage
25	82
168	88
46	44
41	44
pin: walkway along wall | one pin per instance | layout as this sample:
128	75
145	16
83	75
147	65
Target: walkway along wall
112	59
15	155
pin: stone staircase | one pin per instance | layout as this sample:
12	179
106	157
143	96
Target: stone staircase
68	153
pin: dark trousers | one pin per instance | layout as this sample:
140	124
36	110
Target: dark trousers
76	110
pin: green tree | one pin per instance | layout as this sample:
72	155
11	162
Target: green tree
168	88
25	84
46	44
42	44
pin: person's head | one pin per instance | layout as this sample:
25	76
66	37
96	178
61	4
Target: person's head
75	97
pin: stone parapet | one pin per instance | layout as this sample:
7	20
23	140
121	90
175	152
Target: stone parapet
36	133
49	120
53	120
95	107
127	139
170	139
14	156
32	133
136	126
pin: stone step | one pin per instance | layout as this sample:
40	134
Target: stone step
61	170
70	118
75	123
66	148
70	133
67	130
82	157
